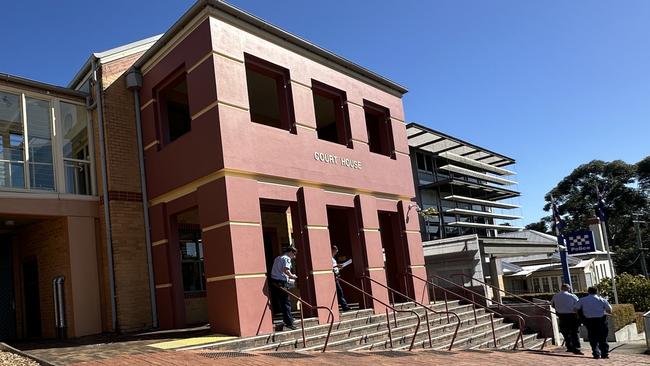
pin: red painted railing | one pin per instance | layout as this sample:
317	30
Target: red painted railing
426	311
528	302
330	317
471	298
388	306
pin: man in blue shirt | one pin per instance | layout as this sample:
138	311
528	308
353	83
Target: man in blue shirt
564	302
281	278
594	308
336	267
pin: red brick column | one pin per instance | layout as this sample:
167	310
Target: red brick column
366	209
235	267
412	242
167	269
317	252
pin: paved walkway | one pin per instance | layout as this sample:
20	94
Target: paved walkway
460	358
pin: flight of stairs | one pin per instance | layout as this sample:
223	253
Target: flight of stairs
361	330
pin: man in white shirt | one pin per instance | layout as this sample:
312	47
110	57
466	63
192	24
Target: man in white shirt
564	303
281	276
594	308
339	291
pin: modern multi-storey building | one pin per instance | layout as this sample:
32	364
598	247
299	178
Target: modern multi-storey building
469	191
158	186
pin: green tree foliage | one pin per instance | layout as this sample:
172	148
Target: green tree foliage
624	187
542	226
631	289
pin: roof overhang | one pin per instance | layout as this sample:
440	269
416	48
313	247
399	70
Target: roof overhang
44	87
423	138
514	247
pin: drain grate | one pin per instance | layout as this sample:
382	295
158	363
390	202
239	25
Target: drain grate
391	353
226	354
288	355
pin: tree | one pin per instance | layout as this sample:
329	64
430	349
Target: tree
542	226
643	171
620	184
631	289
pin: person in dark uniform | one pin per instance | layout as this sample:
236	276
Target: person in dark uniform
594	309
281	277
564	303
339	291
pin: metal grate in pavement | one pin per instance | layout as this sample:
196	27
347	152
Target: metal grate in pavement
288	355
391	353
226	354
356	354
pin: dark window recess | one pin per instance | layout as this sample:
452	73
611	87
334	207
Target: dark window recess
380	134
174	110
192	260
332	121
269	94
420	160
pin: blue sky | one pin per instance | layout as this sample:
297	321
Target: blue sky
551	83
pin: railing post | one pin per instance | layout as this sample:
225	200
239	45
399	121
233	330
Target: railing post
390	333
446	306
302	325
474	306
426	316
494	335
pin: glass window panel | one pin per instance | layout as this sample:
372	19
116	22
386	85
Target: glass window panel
39	131
12	142
74	124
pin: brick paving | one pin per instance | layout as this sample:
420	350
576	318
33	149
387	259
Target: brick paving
458	358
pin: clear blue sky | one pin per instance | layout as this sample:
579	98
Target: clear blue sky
551	83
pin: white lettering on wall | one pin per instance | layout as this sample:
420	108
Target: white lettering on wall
337	160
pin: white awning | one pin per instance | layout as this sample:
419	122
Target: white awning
476	164
471	173
461	211
477	201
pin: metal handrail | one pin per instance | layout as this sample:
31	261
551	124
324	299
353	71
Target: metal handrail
522	322
549	311
330	317
394	309
426	314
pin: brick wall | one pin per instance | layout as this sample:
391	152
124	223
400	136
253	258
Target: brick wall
47	241
129	247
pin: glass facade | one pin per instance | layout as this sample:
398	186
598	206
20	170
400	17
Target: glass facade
44	144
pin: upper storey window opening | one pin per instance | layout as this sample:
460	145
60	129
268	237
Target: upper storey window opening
269	94
378	125
175	119
332	119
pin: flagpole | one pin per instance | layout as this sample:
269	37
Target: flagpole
609	259
561	245
603	226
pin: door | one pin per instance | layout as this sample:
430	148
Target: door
7	299
32	298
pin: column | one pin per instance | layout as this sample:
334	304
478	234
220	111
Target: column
366	209
233	248
495	278
168	280
412	241
316	252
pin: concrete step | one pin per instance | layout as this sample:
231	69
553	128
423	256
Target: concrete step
349	320
404	329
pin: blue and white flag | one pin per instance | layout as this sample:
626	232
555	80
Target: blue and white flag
581	241
600	209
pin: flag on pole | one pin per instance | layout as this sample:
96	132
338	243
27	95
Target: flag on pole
559	226
600	209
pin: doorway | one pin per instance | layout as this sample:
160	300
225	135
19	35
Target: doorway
32	298
7	297
395	255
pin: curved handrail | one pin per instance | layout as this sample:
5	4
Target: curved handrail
502	290
522	322
395	310
549	311
453	338
330	317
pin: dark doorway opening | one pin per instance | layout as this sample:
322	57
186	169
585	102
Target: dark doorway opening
32	298
343	232
7	299
277	233
395	260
